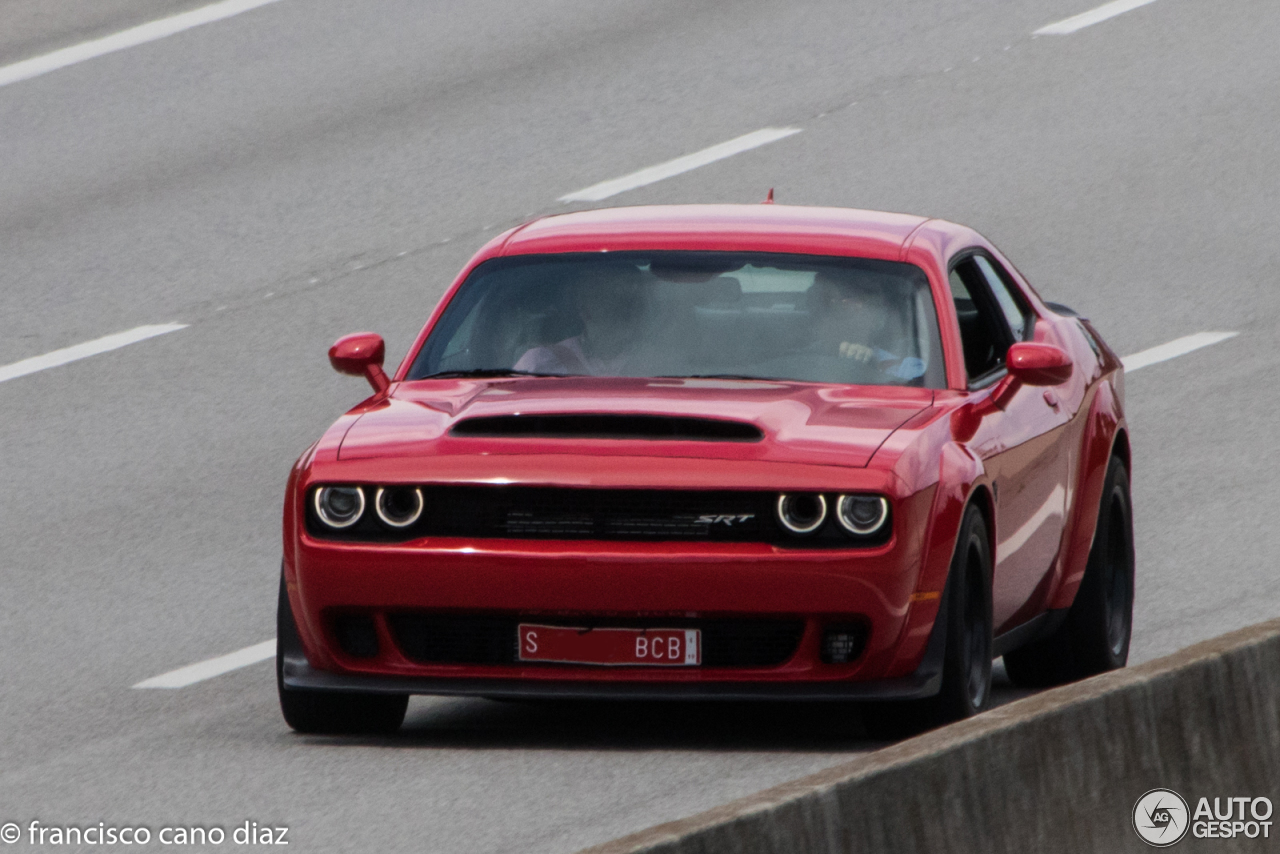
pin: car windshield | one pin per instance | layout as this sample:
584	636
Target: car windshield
690	314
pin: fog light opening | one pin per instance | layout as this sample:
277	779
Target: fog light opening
842	644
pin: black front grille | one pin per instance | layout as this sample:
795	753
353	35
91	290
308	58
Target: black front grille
607	514
594	514
435	639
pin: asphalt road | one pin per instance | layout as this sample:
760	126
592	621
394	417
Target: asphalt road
304	170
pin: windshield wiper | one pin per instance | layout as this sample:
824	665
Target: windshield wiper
481	373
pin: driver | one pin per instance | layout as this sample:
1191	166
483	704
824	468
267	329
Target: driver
610	303
858	321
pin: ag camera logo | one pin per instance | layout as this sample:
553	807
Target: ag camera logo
1160	818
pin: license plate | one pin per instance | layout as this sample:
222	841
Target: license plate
568	645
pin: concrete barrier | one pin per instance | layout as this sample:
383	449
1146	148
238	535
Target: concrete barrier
1058	771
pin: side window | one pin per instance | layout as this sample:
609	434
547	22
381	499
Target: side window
984	332
1014	314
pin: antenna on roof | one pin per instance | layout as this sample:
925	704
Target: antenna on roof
768	200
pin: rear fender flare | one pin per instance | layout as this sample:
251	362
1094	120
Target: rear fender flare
1105	428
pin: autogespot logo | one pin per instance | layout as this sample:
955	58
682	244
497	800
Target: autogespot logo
1160	817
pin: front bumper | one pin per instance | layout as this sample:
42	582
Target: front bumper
296	673
654	583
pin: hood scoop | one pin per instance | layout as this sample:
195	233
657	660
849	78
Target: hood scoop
608	426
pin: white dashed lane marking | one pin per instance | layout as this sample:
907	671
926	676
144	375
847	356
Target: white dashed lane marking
132	37
1105	12
193	673
1173	349
83	351
605	189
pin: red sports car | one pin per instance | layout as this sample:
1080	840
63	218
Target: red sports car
715	452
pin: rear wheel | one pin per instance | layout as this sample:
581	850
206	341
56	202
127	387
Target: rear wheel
1095	636
330	712
966	667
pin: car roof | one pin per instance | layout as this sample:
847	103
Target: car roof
758	228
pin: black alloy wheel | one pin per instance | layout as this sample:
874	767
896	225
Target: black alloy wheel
966	671
966	667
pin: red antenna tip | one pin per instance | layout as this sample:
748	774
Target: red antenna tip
769	198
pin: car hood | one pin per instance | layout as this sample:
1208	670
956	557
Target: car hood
806	423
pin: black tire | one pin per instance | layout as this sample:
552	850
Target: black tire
966	663
1095	636
966	667
330	712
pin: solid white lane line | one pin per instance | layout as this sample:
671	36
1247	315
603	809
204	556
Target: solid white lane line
1175	348
132	37
1104	12
85	350
193	673
605	189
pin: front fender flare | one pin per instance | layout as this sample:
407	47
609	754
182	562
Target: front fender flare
961	479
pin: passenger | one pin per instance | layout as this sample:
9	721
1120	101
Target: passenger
857	320
610	304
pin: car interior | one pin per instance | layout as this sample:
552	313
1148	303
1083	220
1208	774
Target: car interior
757	321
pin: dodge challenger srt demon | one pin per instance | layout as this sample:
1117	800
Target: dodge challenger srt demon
715	452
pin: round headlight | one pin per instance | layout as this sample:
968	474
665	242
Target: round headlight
863	515
340	506
802	512
398	506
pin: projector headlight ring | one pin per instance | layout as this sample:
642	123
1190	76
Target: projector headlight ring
339	506
398	506
862	515
801	513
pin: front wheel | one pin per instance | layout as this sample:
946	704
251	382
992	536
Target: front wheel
329	712
1095	636
966	668
966	664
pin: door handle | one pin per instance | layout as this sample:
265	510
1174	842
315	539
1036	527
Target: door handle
1051	399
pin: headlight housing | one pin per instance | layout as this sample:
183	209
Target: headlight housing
398	506
802	512
862	515
339	507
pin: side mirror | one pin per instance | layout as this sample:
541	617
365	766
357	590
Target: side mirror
361	355
1038	364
